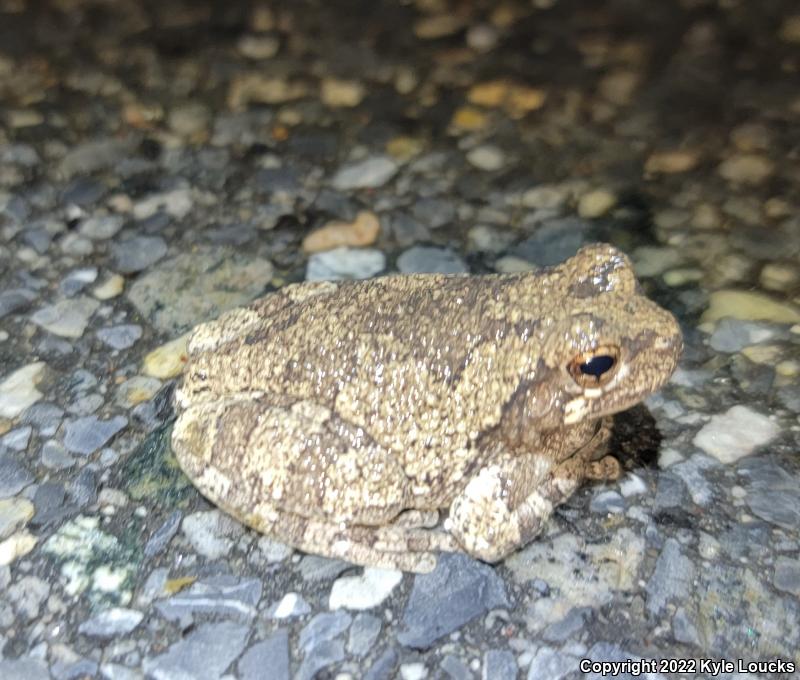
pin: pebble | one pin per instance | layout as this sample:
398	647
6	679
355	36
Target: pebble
405	148
120	337
210	533
672	578
780	276
406	230
185	290
482	37
76	245
551	664
14	515
110	288
681	277
554	241
736	433
136	390
369	173
138	253
486	239
515	98
671	162
362	231
741	304
619	86
457	591
732	335
87	435
344	264
258	47
434	212
255	88
24	668
162	536
469	119
273	551
787	575
655	260
177	203
168	360
320	658
189	120
510	264
455	668
111	623
693	473
272	654
97	154
83	192
429	259
204	653
221	596
437	26
383	666
487	157
363	633
499	664
596	203
18	389
746	168
365	591
55	456
772	493
323	627
67	318
607	503
317	568
413	671
790	29
15	546
13	476
14	300
17	439
337	93
632	485
545	197
290	605
101	227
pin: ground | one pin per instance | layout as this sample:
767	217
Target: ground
163	161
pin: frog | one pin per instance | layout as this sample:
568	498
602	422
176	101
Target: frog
386	421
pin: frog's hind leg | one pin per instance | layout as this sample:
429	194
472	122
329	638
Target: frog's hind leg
391	547
295	471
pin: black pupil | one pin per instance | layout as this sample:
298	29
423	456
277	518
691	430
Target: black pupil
598	365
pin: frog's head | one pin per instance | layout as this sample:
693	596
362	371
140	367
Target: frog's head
610	346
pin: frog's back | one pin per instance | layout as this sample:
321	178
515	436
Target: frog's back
394	355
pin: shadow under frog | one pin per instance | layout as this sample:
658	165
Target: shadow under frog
344	417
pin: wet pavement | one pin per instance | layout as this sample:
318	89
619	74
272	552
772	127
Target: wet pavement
163	162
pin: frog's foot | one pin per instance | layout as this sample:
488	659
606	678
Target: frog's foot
394	546
497	513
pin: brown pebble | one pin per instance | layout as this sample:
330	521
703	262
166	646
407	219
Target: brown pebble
360	232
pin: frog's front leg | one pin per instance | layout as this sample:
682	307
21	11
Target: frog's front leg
507	503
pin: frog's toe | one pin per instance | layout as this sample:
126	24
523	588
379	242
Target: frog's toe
607	468
417	519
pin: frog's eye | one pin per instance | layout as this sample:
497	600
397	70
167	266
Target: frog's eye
596	368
